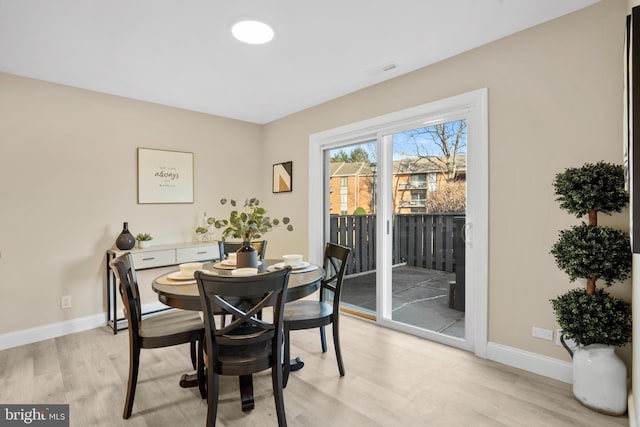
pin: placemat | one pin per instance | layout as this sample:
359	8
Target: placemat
222	266
164	280
300	270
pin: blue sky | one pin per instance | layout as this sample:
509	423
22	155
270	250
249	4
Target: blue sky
405	143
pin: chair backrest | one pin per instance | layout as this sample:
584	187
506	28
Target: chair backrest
253	339
335	265
123	268
227	247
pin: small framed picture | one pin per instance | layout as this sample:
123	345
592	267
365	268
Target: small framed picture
164	176
283	177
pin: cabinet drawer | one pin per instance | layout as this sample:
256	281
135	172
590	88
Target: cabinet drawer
149	259
198	253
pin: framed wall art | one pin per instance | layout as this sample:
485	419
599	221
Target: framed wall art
164	176
283	177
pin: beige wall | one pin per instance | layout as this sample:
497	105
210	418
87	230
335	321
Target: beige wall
555	101
68	168
68	181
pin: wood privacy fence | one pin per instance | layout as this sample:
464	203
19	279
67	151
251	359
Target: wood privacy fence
420	240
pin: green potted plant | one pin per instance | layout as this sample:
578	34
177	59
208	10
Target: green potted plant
246	223
144	240
594	320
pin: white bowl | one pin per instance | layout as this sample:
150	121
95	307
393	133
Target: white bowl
292	259
190	268
247	271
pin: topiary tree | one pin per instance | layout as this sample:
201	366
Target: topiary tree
590	189
587	250
593	252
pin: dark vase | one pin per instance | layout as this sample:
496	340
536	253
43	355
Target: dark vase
247	256
125	240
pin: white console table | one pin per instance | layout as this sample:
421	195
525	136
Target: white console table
154	257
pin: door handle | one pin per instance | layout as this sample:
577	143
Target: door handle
467	232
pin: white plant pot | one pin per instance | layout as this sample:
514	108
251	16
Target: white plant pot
600	379
143	244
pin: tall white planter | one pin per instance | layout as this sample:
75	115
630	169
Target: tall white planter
600	379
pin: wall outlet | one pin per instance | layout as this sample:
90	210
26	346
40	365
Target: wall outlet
545	334
65	302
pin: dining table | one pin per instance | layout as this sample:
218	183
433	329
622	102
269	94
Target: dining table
183	294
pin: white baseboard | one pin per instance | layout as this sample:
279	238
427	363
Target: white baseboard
53	330
532	362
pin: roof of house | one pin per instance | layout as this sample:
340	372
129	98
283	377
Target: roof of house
404	166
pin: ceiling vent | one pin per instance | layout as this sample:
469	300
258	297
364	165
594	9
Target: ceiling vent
388	67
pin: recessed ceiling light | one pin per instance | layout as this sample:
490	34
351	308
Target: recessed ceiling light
252	32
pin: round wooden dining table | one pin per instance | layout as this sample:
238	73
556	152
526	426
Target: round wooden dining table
302	282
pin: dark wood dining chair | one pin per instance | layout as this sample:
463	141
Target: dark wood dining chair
308	314
162	330
247	344
227	247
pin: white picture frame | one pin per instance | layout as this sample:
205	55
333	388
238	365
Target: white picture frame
164	176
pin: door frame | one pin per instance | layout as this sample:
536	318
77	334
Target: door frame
475	103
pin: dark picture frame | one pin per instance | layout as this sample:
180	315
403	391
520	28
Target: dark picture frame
283	177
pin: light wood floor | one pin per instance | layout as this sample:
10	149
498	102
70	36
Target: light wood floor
392	379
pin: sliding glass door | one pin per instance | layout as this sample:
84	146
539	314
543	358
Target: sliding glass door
351	176
427	191
407	192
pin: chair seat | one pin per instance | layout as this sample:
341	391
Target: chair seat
244	354
301	311
171	323
242	364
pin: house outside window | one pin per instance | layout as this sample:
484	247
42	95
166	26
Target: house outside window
419	181
433	182
344	200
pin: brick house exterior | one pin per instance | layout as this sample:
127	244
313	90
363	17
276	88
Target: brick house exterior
352	184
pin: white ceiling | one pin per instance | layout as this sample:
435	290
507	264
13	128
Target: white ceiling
181	52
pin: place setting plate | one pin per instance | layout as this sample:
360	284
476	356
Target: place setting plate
177	275
176	278
244	272
300	268
228	265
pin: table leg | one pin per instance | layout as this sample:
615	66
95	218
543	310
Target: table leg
246	384
295	364
189	380
246	388
246	392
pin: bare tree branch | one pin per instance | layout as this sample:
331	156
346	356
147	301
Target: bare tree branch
449	140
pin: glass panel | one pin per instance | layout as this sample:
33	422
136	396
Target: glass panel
352	216
428	201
